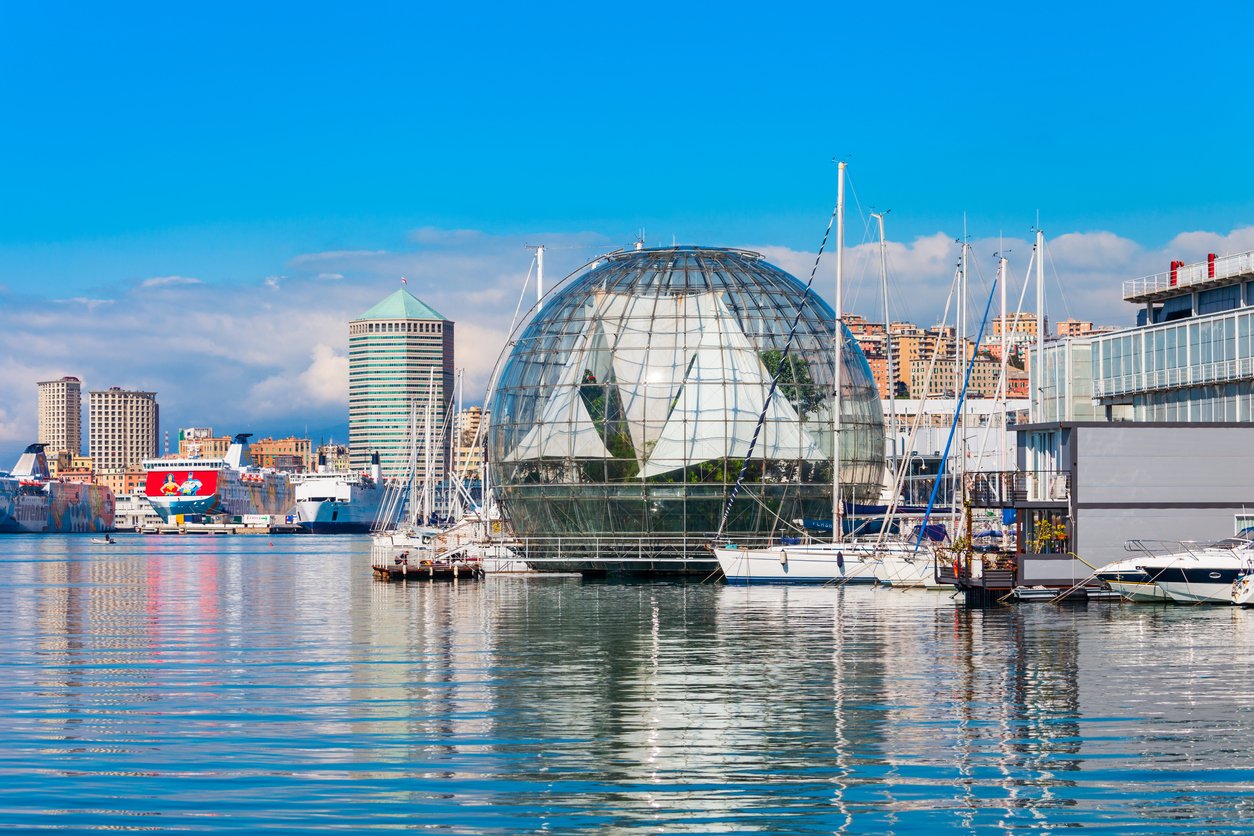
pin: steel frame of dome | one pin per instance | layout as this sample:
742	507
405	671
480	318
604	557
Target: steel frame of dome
622	412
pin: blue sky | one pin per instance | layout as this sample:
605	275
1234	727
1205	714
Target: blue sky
238	143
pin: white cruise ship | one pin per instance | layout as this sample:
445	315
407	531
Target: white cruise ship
337	503
189	489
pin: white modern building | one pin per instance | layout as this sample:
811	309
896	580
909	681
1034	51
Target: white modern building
1147	433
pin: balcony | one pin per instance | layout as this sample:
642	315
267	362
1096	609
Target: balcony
1004	489
1190	277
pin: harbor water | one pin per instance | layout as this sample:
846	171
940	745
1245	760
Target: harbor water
249	683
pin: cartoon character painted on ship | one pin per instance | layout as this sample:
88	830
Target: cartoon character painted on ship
169	487
191	486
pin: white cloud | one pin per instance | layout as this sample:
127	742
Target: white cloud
89	304
330	277
168	281
322	383
335	255
279	361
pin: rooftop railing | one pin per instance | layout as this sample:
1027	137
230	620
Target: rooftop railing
1204	272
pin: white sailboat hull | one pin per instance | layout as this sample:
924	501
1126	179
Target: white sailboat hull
908	570
811	563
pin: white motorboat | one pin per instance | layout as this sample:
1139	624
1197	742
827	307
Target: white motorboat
1131	581
1201	574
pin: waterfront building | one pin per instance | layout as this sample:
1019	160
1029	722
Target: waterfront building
134	512
624	411
291	454
948	375
985	438
125	480
201	443
395	351
1143	433
1024	322
333	457
122	428
61	415
71	468
467	454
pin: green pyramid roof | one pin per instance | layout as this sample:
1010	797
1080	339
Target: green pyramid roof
401	305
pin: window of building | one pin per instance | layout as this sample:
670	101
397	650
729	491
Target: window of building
1219	299
1178	307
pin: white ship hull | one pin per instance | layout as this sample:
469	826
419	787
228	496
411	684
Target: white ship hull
809	563
337	503
911	570
354	515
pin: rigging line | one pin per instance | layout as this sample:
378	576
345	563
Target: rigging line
954	424
770	394
867	257
513	323
904	464
1062	293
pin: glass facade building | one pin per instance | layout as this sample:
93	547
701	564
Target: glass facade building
1189	359
400	357
628	405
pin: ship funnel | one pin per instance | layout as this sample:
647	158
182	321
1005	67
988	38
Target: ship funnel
376	470
32	464
237	455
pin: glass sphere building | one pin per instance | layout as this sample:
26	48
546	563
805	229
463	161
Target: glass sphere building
627	406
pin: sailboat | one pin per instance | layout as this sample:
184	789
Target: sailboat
412	546
841	560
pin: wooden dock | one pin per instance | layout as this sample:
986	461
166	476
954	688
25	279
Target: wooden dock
428	570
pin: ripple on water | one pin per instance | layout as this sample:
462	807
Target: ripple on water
231	684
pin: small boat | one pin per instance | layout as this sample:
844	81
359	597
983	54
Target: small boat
1201	574
104	541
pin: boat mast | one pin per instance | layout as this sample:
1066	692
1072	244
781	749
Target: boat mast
1003	447
428	459
960	368
1038	399
888	339
837	509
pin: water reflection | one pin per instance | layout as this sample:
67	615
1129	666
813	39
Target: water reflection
173	683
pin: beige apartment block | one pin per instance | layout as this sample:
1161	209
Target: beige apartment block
61	415
122	428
